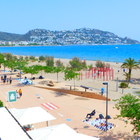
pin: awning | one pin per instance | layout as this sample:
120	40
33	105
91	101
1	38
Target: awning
31	115
9	128
58	132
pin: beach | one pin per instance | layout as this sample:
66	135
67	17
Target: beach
73	109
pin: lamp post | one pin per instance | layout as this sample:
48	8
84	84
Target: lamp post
106	83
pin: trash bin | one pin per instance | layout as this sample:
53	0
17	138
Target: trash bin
102	91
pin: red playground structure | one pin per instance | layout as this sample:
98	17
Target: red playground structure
98	73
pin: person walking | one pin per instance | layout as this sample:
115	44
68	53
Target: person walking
10	80
20	92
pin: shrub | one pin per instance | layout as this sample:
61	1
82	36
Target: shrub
100	64
123	85
1	103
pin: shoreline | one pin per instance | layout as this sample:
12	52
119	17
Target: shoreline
68	45
84	52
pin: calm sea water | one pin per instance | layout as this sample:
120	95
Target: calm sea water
112	53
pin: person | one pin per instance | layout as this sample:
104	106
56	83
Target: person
20	92
89	115
17	94
4	79
102	91
7	80
5	76
10	80
1	78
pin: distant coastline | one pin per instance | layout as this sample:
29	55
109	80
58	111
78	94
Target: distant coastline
68	45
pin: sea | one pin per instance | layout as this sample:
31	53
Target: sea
109	53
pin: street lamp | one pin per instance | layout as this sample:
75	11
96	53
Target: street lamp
106	83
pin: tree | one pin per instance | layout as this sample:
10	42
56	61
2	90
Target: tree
48	69
41	58
1	103
32	70
123	85
49	61
59	63
1	59
8	56
59	67
100	64
11	64
20	64
32	58
77	64
129	106
130	64
71	74
39	68
57	70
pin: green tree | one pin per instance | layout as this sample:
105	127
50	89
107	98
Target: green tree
100	64
130	64
48	69
8	56
31	69
39	68
59	68
123	85
1	103
58	63
71	74
11	64
41	58
1	59
77	64
49	61
32	58
20	64
129	106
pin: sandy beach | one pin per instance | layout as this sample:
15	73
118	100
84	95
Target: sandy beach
73	109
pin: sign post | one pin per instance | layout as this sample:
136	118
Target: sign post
12	96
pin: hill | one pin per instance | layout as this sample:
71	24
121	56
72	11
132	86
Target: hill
83	36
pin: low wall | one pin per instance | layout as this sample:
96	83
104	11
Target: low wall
78	93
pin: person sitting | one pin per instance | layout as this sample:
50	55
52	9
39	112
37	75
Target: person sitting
41	77
101	116
89	115
33	78
108	117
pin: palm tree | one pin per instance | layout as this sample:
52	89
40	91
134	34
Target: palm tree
130	64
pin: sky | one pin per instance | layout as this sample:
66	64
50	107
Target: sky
121	17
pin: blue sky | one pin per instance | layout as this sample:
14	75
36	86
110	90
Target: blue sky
118	16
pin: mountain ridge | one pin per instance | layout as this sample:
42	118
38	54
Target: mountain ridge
82	36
